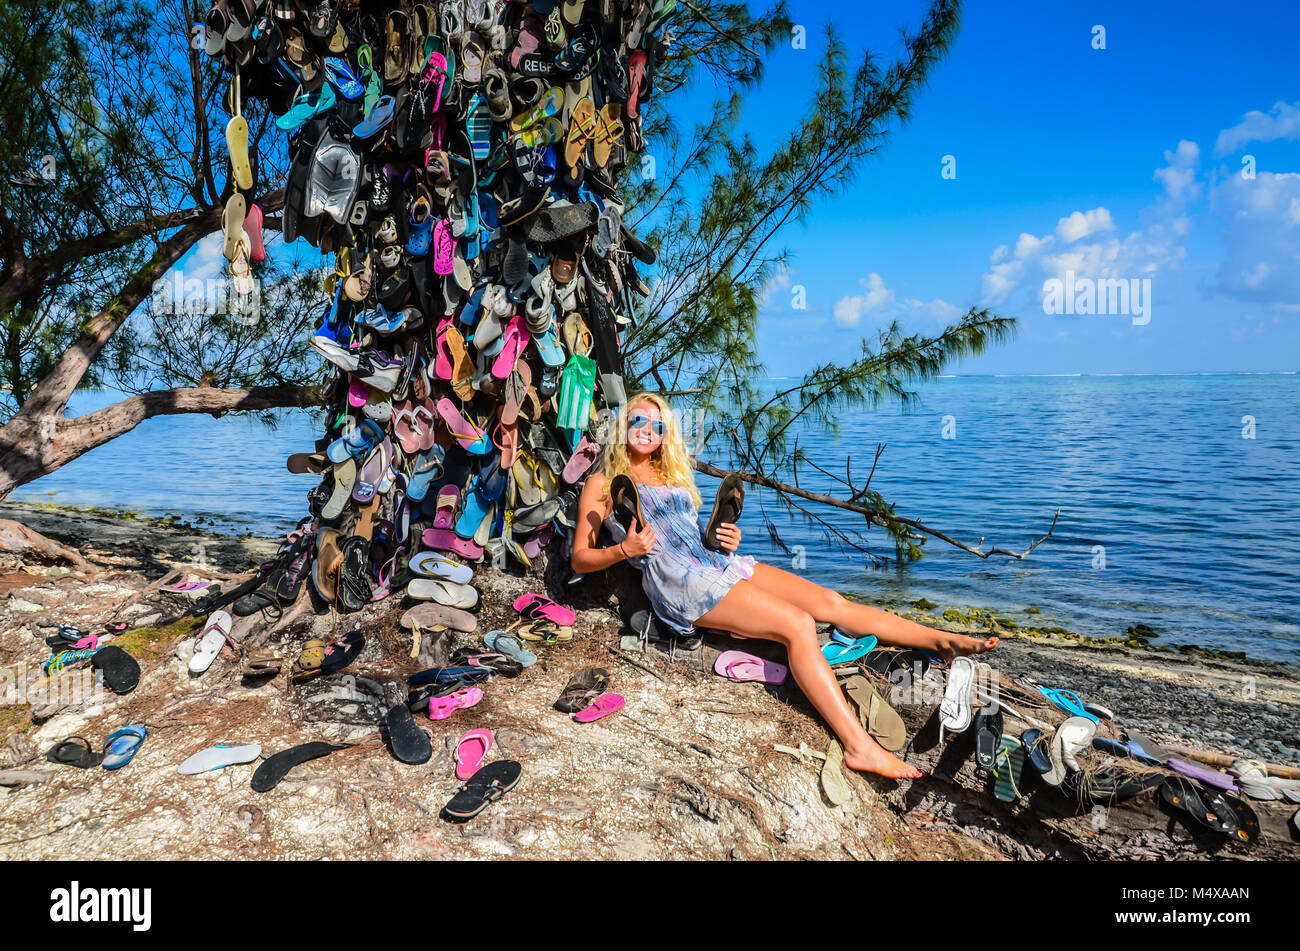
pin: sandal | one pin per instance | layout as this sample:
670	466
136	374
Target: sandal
582	688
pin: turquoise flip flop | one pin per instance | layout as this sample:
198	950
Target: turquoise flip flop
121	746
837	652
1068	701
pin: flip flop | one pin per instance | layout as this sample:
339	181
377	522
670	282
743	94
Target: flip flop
509	646
602	706
436	564
535	606
471	750
120	746
1072	736
1184	796
837	653
836	787
409	743
442	707
1009	766
431	615
342	652
219	757
955	710
1068	701
1038	750
877	717
744	667
463	596
1210	777
727	504
209	641
485	787
121	672
988	738
276	767
68	752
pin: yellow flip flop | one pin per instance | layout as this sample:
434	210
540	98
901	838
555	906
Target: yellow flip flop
580	133
237	142
232	224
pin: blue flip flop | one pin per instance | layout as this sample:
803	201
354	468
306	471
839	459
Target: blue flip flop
837	652
1068	701
121	746
508	644
378	119
476	508
340	75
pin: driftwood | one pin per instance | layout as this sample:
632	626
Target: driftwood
1051	823
18	539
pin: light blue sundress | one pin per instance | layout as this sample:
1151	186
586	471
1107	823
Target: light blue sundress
683	579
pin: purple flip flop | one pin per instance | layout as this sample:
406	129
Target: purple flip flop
737	665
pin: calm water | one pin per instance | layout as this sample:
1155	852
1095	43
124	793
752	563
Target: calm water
1196	524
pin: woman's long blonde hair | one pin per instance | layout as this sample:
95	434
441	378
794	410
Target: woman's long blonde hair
670	460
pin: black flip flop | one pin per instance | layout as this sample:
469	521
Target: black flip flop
336	660
408	742
68	753
1181	794
726	508
898	666
1037	750
484	788
988	738
1111	784
121	672
1247	820
273	769
626	502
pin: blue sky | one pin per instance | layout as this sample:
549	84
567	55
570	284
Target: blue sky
1115	163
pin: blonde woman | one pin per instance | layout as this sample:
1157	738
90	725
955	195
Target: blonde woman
689	584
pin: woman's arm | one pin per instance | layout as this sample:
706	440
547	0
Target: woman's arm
592	510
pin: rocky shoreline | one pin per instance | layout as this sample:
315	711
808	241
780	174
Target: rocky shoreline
688	770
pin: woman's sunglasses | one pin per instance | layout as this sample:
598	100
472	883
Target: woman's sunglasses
657	426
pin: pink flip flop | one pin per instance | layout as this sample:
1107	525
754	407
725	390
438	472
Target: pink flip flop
516	340
442	707
442	365
358	392
444	248
535	606
467	434
602	706
737	665
471	751
583	458
253	225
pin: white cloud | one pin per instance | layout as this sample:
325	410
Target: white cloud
849	311
881	301
1088	242
1078	225
1281	122
1179	176
1261	237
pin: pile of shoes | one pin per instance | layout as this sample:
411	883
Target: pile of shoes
462	161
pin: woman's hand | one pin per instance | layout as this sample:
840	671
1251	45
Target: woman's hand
728	536
639	543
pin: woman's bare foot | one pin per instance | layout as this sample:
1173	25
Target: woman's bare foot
959	645
875	759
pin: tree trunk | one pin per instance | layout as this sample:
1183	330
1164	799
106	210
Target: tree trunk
31	448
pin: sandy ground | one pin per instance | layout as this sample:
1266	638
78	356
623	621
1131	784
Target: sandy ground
687	770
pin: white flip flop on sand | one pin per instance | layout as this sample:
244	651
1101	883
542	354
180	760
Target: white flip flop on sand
218	757
208	644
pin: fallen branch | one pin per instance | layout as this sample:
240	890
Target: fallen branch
872	515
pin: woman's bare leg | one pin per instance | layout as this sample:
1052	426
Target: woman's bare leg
752	612
830	607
